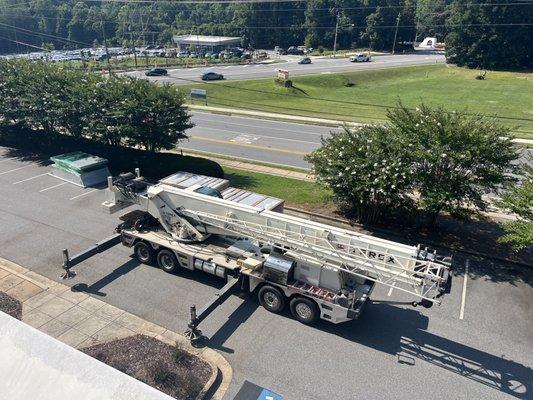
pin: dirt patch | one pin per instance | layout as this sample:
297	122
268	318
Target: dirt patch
169	369
10	306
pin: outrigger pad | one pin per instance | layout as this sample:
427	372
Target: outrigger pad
80	168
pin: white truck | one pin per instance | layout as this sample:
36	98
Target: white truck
320	271
360	57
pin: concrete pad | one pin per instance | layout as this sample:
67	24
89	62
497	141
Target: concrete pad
35	318
131	322
9	281
109	312
55	306
4	273
12	267
39	299
58	289
74	316
91	325
91	304
73	337
24	290
73	297
54	328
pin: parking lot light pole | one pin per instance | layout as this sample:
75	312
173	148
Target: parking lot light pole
396	32
336	33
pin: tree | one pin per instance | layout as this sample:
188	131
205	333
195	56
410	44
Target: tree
488	36
153	115
367	169
457	157
519	200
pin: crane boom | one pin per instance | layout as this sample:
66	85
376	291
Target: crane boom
191	216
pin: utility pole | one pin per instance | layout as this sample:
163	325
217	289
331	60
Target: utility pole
336	32
396	32
106	49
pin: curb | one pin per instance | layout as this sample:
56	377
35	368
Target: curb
46	288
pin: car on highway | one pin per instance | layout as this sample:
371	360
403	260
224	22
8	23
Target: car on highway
156	72
304	60
212	76
360	57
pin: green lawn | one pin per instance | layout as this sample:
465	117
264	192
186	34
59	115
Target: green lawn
508	95
294	191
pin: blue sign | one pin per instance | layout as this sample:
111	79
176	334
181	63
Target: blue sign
268	395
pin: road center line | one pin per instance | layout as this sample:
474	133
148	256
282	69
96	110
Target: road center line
29	179
83	194
15	169
51	187
463	298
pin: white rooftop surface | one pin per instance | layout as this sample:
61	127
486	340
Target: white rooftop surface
34	365
205	40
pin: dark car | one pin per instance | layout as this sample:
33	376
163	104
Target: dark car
304	60
212	76
156	72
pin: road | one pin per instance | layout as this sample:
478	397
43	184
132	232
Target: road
393	351
319	66
252	139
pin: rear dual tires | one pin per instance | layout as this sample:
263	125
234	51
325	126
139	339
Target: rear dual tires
303	309
165	258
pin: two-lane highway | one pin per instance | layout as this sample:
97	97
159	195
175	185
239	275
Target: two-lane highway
318	66
251	139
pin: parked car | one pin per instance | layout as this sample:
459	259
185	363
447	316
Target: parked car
304	60
183	54
360	57
193	55
212	76
156	72
295	51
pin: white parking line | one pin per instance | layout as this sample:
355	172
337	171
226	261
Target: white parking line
83	194
51	187
29	179
463	299
15	169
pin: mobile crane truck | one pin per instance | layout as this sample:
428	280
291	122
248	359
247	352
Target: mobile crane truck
320	271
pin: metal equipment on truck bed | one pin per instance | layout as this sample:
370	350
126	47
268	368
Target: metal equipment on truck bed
320	271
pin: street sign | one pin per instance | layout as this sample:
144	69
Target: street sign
251	391
283	74
199	94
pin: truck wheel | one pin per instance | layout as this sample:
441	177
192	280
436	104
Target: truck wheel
143	252
304	310
167	260
271	299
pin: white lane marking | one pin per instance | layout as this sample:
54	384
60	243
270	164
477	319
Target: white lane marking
83	194
229	66
202	130
29	179
463	299
326	73
8	159
15	169
52	187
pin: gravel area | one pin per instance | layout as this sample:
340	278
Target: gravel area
167	368
10	306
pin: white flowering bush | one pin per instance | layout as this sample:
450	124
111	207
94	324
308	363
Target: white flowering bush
444	160
365	168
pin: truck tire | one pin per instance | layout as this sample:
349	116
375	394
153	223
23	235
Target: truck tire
271	298
304	310
144	253
167	261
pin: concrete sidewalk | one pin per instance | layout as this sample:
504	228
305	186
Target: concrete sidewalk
79	320
297	118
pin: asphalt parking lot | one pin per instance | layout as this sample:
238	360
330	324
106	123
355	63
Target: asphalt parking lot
393	351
